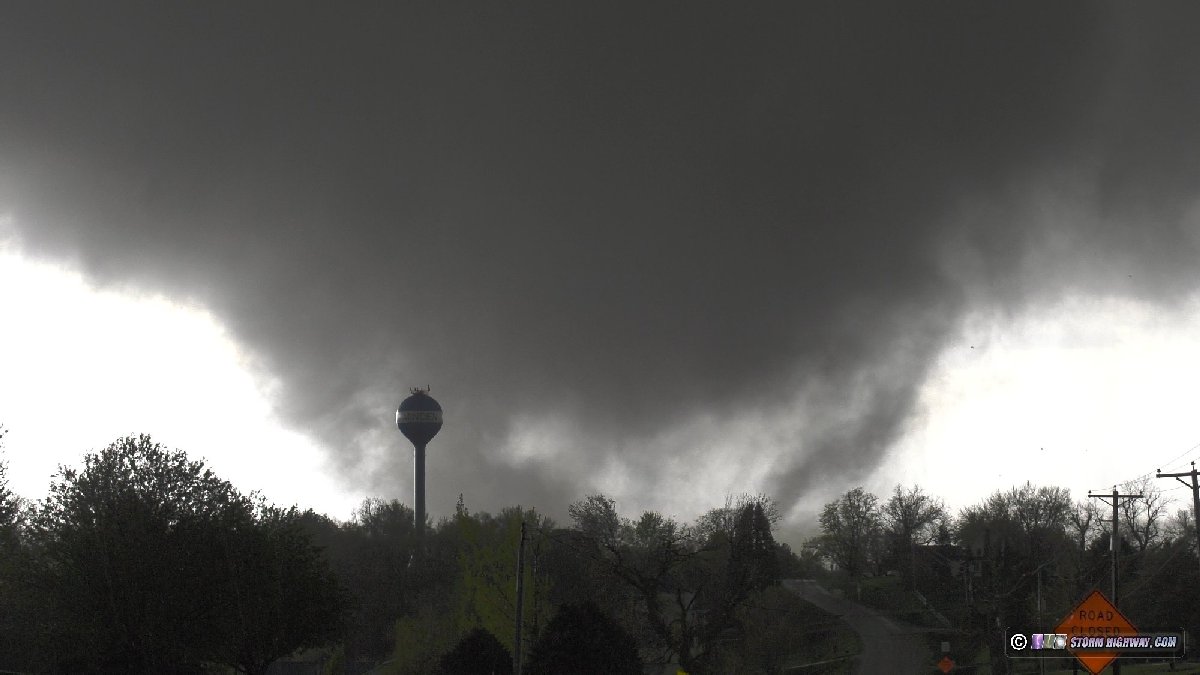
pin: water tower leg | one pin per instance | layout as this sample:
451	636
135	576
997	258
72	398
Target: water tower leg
420	524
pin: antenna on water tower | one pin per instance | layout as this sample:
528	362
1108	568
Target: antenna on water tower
419	418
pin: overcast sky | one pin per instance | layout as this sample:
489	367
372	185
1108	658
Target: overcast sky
663	251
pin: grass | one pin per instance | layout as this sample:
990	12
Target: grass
1130	668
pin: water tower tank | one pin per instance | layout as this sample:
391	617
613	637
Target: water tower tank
419	417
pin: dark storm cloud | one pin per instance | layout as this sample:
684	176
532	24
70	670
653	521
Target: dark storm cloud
619	217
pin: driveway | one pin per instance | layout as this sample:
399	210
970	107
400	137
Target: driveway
889	646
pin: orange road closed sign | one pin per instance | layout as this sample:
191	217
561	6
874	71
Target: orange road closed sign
1095	617
946	664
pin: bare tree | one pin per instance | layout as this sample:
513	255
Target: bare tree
1180	527
849	526
912	518
723	519
1083	523
688	582
1142	519
1040	508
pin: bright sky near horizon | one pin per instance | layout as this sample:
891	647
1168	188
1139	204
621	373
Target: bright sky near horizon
82	367
1080	394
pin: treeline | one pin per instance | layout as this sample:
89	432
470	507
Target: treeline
144	561
675	593
987	566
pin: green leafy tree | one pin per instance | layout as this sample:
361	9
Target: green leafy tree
478	653
122	582
17	596
487	564
583	640
150	563
468	581
422	637
382	568
280	595
11	506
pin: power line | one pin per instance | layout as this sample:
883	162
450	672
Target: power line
1167	464
1172	461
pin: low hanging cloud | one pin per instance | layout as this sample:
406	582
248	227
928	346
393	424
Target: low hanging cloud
659	252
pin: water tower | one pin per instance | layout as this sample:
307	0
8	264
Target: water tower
419	418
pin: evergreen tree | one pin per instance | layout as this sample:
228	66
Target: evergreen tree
582	640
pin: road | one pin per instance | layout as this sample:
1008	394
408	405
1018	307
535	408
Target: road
889	646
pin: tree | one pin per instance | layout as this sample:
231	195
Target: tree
745	522
583	640
1083	530
1019	536
754	556
10	506
651	570
678	587
1142	519
280	594
486	592
723	519
1083	523
16	598
382	569
120	579
151	563
731	573
478	653
849	527
1043	514
911	518
465	579
1180	527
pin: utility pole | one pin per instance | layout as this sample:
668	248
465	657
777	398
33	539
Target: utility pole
1041	662
520	598
1116	548
1195	496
